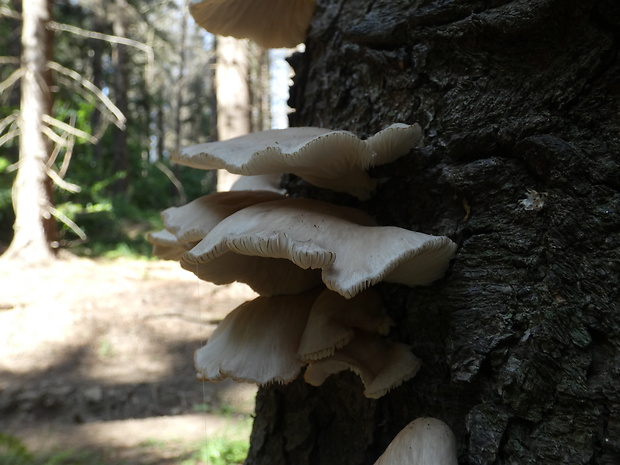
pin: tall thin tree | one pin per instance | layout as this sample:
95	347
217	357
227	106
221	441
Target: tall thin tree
120	63
233	96
35	228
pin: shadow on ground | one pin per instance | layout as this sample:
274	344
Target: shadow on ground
99	357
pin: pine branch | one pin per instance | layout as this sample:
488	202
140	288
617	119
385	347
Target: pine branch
120	118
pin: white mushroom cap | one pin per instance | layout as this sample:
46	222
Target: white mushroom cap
333	320
335	160
269	23
167	246
192	222
352	254
381	365
393	142
424	441
257	342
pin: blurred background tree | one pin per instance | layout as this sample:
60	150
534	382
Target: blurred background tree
129	81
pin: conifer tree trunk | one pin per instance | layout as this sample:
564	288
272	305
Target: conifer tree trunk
233	96
519	101
120	64
35	229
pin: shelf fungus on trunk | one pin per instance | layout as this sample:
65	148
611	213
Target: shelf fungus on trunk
382	365
269	339
192	221
333	320
257	342
278	247
269	23
336	160
185	226
424	441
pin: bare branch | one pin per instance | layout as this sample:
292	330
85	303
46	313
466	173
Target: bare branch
69	222
53	136
70	187
12	79
68	128
9	60
6	12
8	136
11	119
120	118
106	37
68	143
64	167
174	180
89	97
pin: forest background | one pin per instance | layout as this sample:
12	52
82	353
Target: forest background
130	82
120	106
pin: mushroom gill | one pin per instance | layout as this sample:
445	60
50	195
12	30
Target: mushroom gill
264	240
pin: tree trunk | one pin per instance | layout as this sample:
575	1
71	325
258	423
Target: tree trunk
233	96
520	103
35	229
120	64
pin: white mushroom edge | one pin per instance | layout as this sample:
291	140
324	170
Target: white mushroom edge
424	441
270	339
336	160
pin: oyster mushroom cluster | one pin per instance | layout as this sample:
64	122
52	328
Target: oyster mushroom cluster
312	263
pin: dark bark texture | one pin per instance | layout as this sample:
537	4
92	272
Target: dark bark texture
520	341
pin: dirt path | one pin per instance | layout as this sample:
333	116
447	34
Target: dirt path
99	354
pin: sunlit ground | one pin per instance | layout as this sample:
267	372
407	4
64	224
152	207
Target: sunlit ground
96	356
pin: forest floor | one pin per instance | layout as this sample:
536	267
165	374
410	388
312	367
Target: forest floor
97	356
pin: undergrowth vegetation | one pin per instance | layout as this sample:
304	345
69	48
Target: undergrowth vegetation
222	450
94	222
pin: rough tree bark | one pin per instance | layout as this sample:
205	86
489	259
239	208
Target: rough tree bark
520	341
35	228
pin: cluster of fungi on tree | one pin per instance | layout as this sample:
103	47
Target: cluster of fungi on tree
312	263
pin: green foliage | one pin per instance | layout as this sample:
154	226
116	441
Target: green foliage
14	452
114	224
7	216
220	451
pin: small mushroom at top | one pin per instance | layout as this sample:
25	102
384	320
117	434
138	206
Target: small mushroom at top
336	160
269	23
424	441
262	241
382	365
